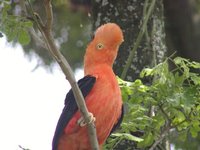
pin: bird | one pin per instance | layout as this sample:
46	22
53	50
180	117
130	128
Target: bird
101	93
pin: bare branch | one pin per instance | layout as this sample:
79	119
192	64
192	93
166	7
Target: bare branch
39	42
138	40
49	13
56	54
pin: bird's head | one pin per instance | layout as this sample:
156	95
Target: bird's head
104	47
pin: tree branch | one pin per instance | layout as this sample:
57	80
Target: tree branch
138	40
49	13
36	38
162	136
167	129
56	54
165	114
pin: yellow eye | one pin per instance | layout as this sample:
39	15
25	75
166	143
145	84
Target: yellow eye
100	46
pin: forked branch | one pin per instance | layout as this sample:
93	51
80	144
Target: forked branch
46	30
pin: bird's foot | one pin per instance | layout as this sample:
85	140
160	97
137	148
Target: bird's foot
81	122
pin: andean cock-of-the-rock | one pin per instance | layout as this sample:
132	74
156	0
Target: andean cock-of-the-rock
101	92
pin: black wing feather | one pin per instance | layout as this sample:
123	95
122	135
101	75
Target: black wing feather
85	84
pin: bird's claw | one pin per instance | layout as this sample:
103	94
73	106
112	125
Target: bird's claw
81	122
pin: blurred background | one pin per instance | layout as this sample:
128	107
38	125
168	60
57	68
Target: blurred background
173	27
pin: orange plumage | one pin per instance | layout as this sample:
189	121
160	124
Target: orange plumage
104	99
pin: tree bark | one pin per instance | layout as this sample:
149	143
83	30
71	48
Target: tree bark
129	16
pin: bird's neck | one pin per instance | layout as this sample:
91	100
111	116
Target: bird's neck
90	69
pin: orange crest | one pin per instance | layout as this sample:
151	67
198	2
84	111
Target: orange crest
104	47
109	33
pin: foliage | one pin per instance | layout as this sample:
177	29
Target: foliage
171	103
15	27
71	30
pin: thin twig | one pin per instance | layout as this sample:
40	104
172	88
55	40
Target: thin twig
161	137
165	114
138	40
22	147
48	38
35	37
39	42
181	70
166	131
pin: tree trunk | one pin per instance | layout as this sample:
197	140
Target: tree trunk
129	16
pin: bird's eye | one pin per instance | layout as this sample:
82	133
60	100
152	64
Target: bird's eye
100	46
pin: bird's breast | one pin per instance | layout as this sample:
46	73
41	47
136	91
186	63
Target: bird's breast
104	101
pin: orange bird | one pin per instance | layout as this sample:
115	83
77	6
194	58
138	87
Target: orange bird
100	90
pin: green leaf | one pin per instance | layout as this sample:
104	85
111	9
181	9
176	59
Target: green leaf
146	72
128	136
178	60
148	140
179	117
193	132
5	10
179	79
196	124
182	135
159	121
195	78
195	65
28	24
12	33
23	37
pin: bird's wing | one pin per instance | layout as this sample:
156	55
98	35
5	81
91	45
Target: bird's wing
85	84
117	125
